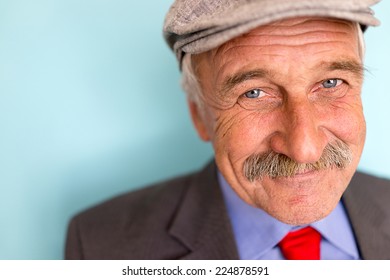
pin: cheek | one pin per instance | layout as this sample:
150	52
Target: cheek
239	133
348	124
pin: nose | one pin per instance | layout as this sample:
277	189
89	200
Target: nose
300	134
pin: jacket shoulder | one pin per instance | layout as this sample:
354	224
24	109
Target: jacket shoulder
121	228
363	182
367	190
367	203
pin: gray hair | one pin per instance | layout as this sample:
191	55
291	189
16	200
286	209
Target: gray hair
191	84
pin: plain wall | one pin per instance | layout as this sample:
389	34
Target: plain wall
91	107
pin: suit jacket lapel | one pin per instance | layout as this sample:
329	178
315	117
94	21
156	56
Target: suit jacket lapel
202	223
366	201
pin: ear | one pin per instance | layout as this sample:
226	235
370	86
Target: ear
198	121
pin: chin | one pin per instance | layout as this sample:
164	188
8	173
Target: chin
301	210
303	199
302	216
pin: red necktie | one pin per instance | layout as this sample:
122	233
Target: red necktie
303	244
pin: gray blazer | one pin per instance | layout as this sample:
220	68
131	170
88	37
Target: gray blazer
186	218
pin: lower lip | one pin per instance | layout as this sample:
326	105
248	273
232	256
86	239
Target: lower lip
308	172
302	176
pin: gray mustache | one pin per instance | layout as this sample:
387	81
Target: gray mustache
335	155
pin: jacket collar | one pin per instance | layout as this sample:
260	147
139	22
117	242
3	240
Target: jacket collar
368	210
202	224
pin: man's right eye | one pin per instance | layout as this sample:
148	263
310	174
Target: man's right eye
254	93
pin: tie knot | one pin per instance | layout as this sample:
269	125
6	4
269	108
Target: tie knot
302	244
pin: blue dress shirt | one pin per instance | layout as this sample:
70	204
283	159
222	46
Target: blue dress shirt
257	233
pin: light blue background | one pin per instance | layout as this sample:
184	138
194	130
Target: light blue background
91	107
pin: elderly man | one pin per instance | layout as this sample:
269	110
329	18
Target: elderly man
275	86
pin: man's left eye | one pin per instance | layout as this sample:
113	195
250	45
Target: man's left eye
332	83
254	93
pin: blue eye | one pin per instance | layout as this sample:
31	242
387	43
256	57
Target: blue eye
254	93
331	83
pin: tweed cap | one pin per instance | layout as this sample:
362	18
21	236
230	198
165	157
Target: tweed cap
196	26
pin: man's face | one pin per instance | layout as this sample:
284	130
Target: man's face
290	88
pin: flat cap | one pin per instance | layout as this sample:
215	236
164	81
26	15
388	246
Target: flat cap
196	26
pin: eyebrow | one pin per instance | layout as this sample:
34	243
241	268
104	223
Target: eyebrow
231	81
346	65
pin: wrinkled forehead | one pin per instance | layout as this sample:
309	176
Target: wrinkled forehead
300	30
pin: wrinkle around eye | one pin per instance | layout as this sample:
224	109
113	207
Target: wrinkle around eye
265	102
226	122
220	104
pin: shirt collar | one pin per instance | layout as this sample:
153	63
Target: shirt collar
331	226
259	232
